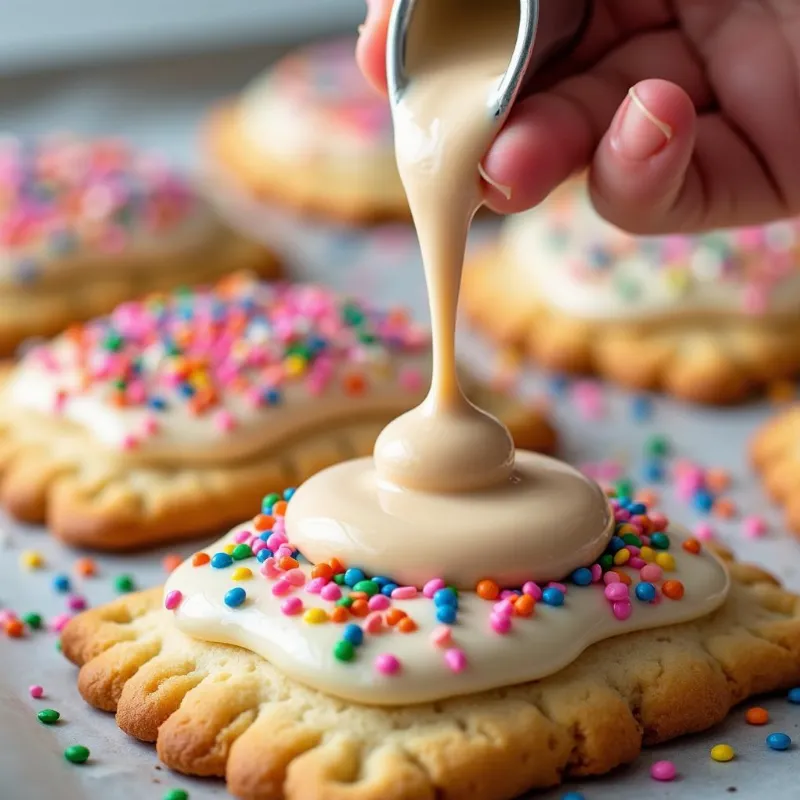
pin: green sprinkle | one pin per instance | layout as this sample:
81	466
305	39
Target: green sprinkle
344	650
370	587
113	342
119	384
345	601
606	562
241	551
657	446
338	579
58	645
77	754
124	584
270	500
659	541
624	488
176	794
352	314
49	716
632	538
33	620
367	338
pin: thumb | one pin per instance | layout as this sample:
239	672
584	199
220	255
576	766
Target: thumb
371	47
639	171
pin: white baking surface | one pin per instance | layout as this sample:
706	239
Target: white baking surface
383	265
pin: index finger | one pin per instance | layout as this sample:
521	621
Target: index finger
371	47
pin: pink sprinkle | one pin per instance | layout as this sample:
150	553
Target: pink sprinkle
754	527
559	586
441	636
622	610
315	585
291	605
59	622
411	379
622	515
636	562
532	589
663	771
387	664
149	426
284	550
241	536
76	603
659	522
633	549
373	623
281	587
500	623
404	593
651	573
275	540
616	591
224	421
257	545
433	586
295	576
36	691
508	594
611	577
379	602
597	573
129	442
704	532
173	600
455	659
331	592
503	608
269	569
6	615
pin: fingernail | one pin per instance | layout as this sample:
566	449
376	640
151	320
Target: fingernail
639	133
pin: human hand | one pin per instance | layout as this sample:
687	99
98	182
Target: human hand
708	136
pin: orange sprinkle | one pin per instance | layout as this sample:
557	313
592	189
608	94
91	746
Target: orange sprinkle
322	571
340	614
86	567
487	590
358	596
406	625
198	559
118	399
171	562
673	589
523	607
360	608
717	479
623	576
337	566
14	628
692	546
354	384
649	497
263	522
279	509
756	716
287	563
724	508
394	615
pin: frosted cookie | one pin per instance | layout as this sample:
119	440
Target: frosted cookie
709	318
86	224
312	134
775	452
167	418
451	711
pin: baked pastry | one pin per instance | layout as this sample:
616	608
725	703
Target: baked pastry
711	318
167	418
86	224
220	710
311	134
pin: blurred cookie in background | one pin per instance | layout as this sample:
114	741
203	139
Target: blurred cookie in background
88	223
311	134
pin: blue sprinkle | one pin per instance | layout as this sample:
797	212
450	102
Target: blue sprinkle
235	597
779	741
264	554
582	576
703	501
61	583
353	576
288	494
553	596
272	397
381	580
653	471
624	502
446	614
186	390
559	385
614	544
574	796
794	695
646	592
388	589
157	403
353	634
445	597
264	535
221	560
641	409
637	508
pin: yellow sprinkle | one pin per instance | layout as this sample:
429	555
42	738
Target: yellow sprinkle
647	554
623	529
666	561
294	365
31	559
722	752
622	556
241	574
315	616
229	548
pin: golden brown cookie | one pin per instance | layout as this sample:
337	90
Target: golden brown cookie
168	418
216	710
312	135
88	224
710	319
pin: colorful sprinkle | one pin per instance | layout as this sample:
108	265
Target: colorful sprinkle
173	600
663	771
387	664
235	597
779	741
49	716
77	754
722	753
756	716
